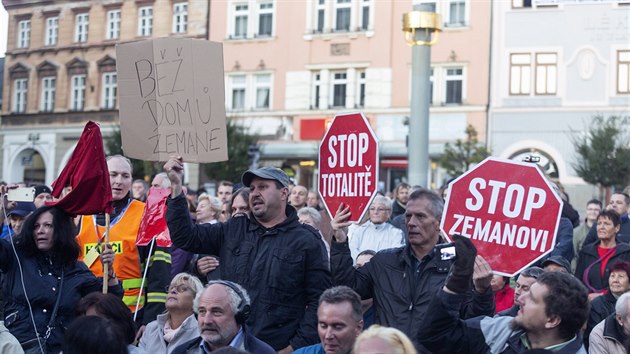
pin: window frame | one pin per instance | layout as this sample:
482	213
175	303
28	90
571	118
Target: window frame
24	34
257	86
81	27
112	24
240	87
522	76
623	64
109	90
343	5
48	94
77	92
461	77
361	88
547	67
342	82
145	21
316	89
51	36
265	12
20	95
180	17
240	11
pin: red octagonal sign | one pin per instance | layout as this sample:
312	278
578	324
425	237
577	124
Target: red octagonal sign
348	165
508	209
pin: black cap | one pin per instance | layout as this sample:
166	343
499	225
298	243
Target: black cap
266	172
42	188
558	260
22	209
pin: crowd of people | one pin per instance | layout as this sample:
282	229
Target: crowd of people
260	266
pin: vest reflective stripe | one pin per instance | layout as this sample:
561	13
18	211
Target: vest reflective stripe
134	283
160	256
131	301
127	264
156	297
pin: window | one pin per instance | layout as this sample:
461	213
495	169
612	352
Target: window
240	20
454	85
623	71
113	24
457	13
20	90
321	15
52	31
265	19
180	18
339	89
77	99
47	103
342	15
263	91
145	21
365	14
238	83
316	90
81	28
521	3
520	73
109	90
360	89
546	68
24	34
454	12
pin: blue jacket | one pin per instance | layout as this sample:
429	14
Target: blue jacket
284	269
41	280
311	349
443	332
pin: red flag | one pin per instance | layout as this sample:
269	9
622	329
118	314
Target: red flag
153	224
87	174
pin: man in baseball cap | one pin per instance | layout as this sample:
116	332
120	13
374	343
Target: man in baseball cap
557	264
17	215
266	172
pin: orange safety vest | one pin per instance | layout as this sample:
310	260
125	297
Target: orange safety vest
122	237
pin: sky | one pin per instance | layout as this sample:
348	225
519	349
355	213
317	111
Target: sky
4	22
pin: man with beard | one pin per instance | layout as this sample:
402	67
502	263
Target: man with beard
283	264
224	307
401	197
551	314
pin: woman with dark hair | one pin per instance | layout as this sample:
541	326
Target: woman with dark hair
604	306
93	335
44	281
113	309
593	267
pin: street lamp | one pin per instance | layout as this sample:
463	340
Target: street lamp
422	27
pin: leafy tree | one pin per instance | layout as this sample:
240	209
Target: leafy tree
603	153
141	169
239	142
458	157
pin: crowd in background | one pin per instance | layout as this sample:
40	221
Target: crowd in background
259	265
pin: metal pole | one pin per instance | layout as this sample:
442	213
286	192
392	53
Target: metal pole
418	165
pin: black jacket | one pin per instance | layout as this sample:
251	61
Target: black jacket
623	235
589	255
41	280
443	332
250	343
401	294
284	269
397	209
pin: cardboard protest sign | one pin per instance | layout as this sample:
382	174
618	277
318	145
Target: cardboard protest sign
172	99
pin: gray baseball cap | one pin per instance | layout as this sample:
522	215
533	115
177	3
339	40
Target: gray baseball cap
266	172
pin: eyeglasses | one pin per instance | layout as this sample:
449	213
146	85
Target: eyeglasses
379	210
178	288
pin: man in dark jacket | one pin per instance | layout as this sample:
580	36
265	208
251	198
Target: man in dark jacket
283	264
402	281
223	308
550	317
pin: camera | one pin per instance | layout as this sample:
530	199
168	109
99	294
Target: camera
446	251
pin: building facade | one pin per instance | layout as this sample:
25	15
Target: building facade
550	79
60	72
291	66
